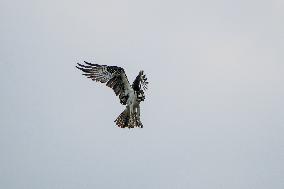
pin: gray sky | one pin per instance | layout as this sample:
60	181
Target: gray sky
213	115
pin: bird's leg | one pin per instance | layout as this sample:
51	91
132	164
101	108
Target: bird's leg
138	111
132	110
128	109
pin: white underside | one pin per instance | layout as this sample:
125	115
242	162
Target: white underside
132	102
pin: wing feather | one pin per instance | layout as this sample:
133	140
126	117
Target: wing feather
113	76
140	82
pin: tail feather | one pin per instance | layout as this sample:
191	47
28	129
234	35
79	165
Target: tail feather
126	120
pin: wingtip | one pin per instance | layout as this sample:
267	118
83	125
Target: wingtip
78	67
91	64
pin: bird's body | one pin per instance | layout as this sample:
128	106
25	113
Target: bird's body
129	95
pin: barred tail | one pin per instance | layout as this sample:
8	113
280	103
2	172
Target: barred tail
126	120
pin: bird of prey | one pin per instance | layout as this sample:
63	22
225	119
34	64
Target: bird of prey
129	95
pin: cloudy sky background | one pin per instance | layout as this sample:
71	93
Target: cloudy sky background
213	115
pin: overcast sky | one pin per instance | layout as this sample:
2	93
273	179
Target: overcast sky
213	116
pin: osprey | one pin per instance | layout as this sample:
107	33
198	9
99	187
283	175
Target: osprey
129	95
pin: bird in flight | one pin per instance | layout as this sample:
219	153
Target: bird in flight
129	95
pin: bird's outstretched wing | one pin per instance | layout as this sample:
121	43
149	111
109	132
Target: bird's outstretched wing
140	83
113	76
